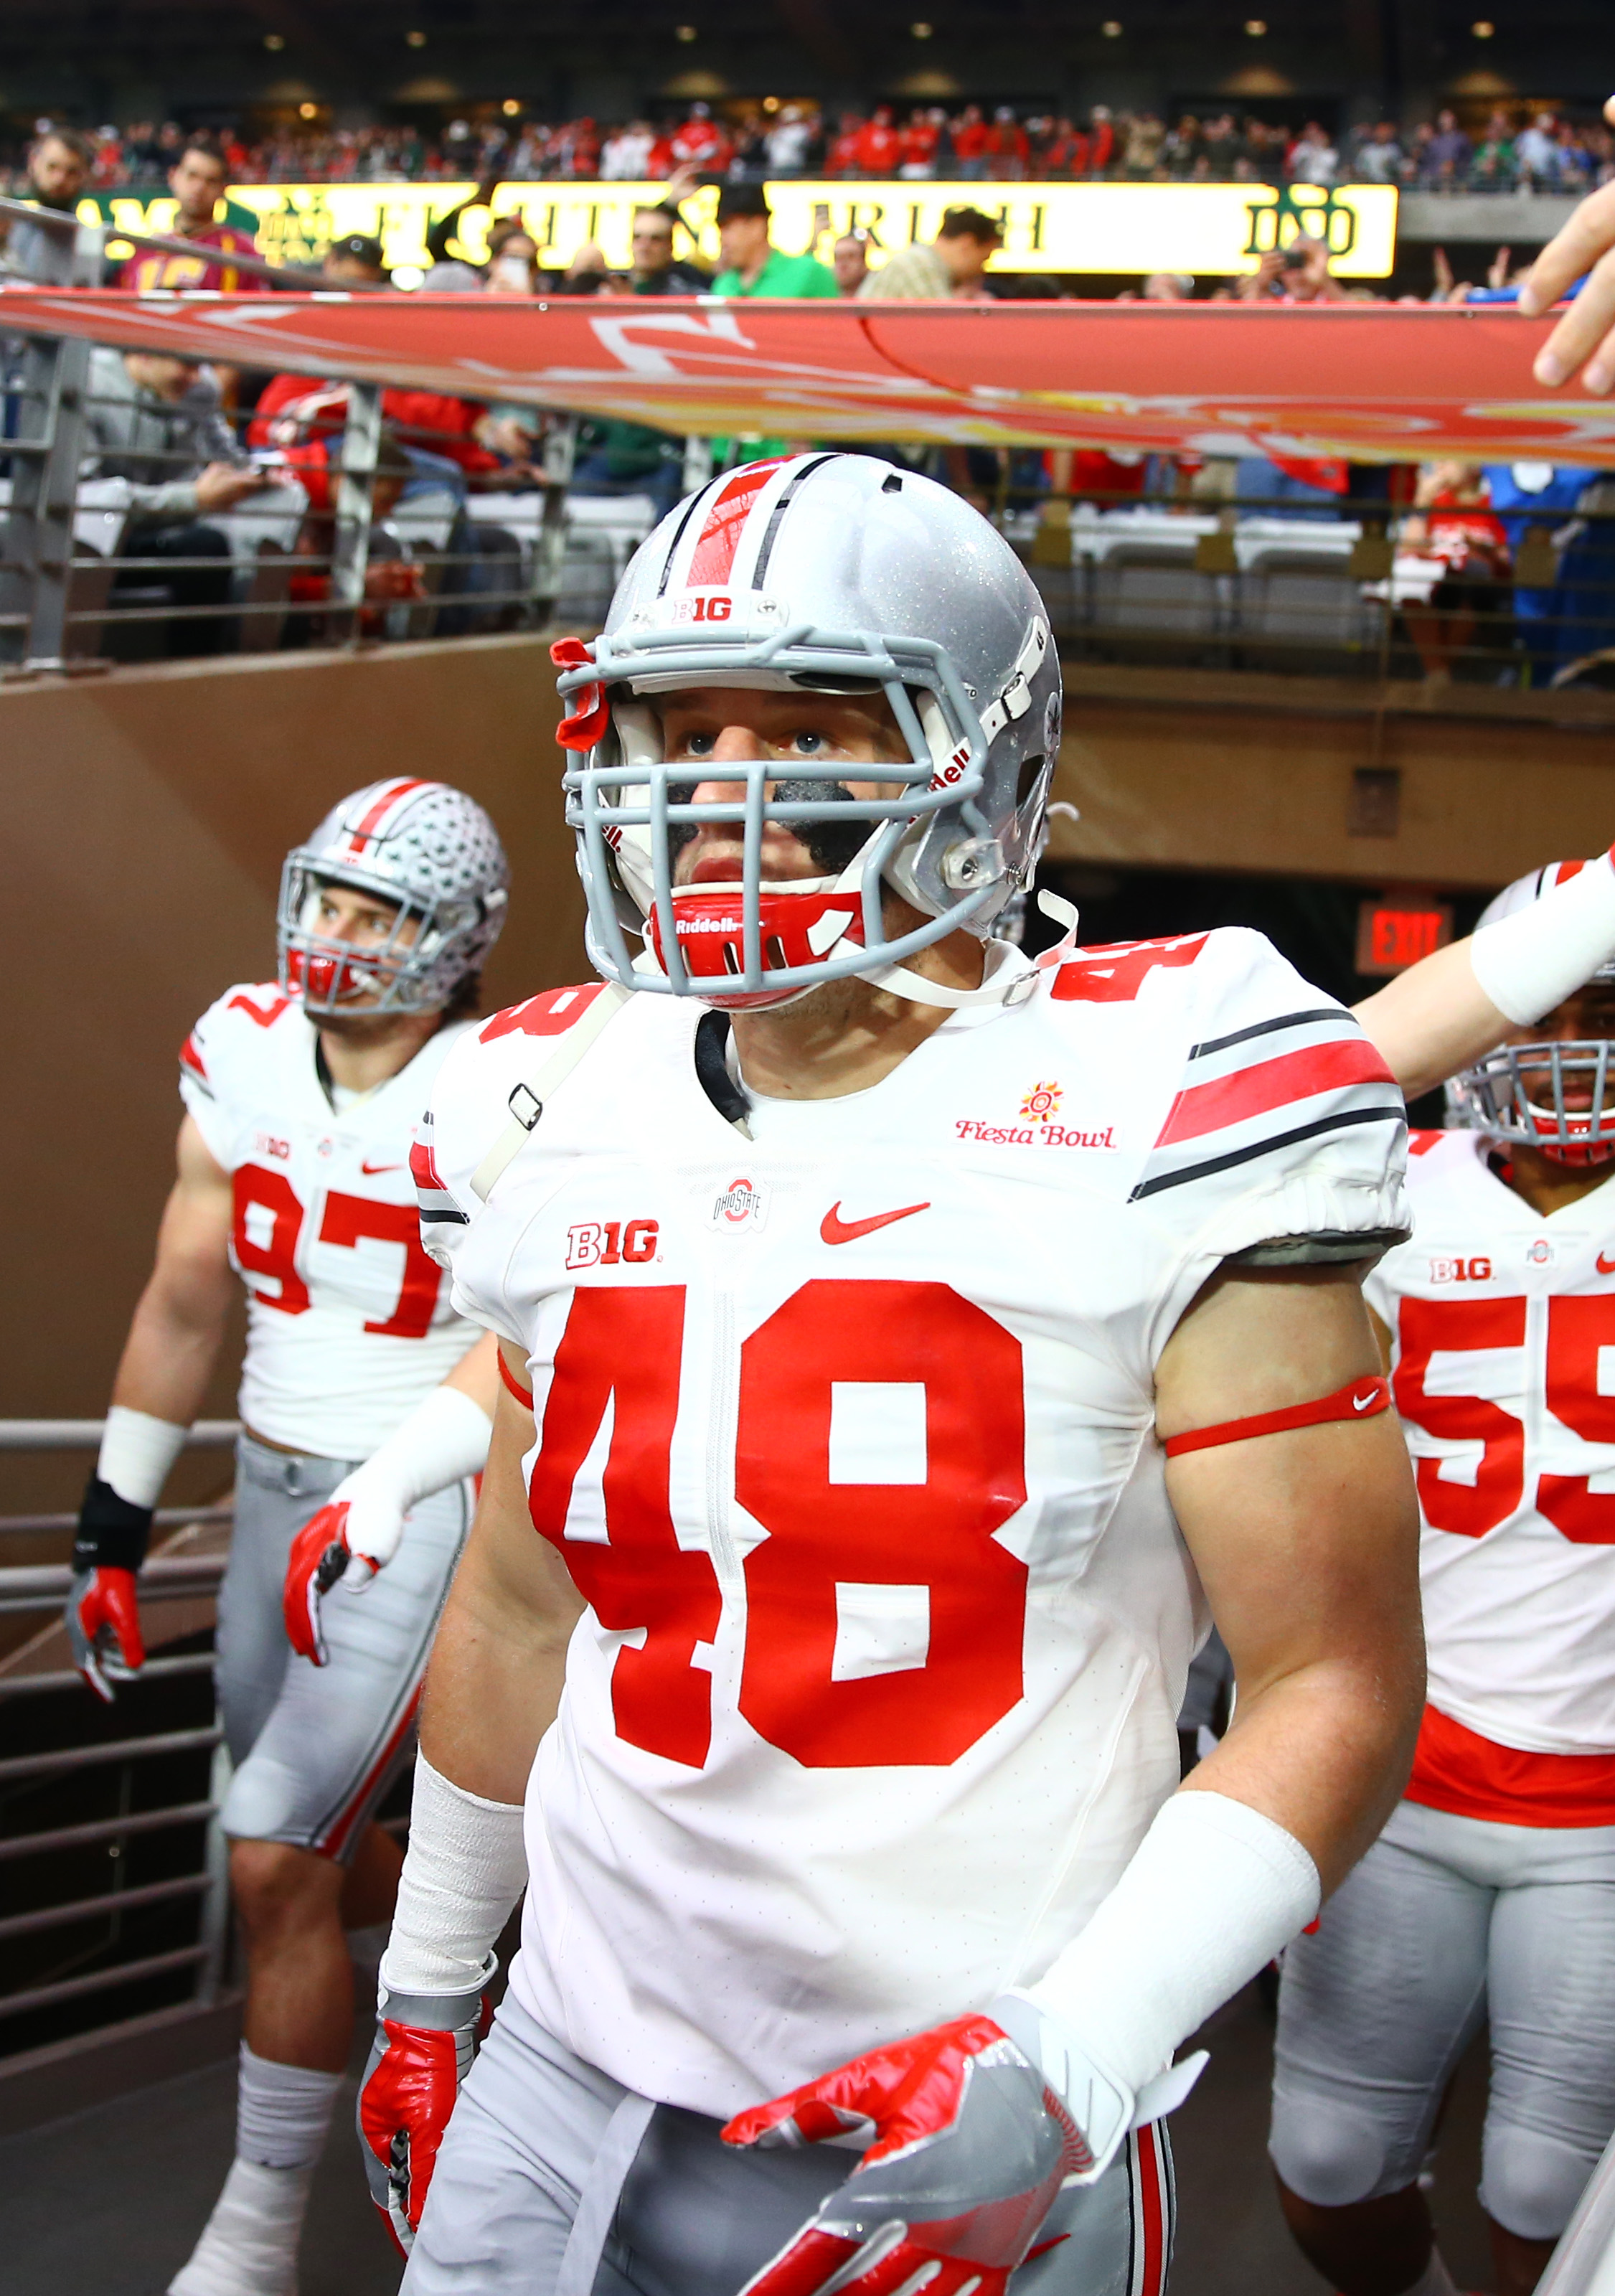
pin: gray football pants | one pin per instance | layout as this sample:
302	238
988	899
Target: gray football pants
554	2180
1449	1921
316	1748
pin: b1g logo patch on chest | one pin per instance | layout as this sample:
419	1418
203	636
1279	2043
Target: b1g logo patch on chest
1476	1270
613	1244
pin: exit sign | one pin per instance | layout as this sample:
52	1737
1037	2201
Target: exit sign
1393	934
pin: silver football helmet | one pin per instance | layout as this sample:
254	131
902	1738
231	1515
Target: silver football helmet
834	573
430	850
1553	1096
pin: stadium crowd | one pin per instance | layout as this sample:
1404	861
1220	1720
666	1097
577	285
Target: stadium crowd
1515	149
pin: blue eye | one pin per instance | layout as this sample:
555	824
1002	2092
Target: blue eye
807	744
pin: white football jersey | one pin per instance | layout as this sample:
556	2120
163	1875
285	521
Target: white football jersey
348	1324
847	1437
1503	1325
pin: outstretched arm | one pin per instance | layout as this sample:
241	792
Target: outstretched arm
1458	1002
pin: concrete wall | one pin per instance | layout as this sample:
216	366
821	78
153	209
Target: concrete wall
147	812
146	815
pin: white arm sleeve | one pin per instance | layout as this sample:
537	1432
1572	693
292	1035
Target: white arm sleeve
464	1871
1212	1893
136	1452
1531	961
441	1442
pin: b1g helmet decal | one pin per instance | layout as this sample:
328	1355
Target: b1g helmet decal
1553	1096
830	573
430	850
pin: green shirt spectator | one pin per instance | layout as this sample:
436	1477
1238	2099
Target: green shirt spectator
796	275
753	265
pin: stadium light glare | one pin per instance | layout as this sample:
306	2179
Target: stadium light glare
1483	30
274	42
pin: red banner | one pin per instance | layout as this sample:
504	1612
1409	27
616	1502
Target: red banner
1375	383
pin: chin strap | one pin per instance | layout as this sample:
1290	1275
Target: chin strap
1007	979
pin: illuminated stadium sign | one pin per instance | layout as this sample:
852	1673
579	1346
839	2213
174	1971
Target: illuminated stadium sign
1210	229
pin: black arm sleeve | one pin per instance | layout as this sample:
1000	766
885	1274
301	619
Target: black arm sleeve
112	1531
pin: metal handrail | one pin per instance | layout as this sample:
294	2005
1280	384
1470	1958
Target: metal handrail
123	1901
26	1588
68	1677
24	1768
99	1980
175	1518
86	1434
105	1829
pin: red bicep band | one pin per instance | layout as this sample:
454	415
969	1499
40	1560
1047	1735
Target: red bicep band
523	1394
1359	1398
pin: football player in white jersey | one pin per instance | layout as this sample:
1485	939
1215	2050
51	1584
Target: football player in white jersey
300	1098
908	1346
1491	1893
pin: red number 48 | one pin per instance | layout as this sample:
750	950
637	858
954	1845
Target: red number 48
835	1547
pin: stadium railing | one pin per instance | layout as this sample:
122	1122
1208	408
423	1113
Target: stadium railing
115	1894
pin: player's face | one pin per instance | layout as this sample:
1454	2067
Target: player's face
1586	1017
361	921
710	724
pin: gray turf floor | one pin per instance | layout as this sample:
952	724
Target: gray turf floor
108	2203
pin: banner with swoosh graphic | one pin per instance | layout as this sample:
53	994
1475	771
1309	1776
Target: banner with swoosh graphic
1370	382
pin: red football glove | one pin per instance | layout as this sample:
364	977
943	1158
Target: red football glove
320	1555
104	1626
423	2051
968	2147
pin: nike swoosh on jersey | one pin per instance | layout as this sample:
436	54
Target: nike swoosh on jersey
1605	1266
836	1230
1362	1402
369	1170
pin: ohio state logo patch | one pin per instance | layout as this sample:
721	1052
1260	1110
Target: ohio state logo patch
742	1204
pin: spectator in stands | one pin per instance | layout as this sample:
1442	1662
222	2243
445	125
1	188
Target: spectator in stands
1297	273
1101	141
625	156
355	260
1145	136
752	264
842	160
1379	157
1445	163
1455	526
1004	147
1068	151
1167	287
1313	158
58	165
513	258
653	271
156	423
951	269
788	140
700	143
878	144
849	261
1536	154
921	138
197	180
391	578
1492	166
970	144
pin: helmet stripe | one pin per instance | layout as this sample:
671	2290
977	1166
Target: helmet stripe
369	828
712	560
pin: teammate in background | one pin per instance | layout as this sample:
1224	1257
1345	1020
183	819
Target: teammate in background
197	180
300	1100
891	1561
1491	1893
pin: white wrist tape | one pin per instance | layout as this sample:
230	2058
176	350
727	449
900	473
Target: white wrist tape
465	1869
443	1440
136	1452
1212	1893
1531	961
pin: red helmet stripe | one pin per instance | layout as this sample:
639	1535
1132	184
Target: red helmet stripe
369	827
712	560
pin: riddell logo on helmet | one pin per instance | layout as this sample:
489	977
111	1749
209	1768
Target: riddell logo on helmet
954	770
612	1243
